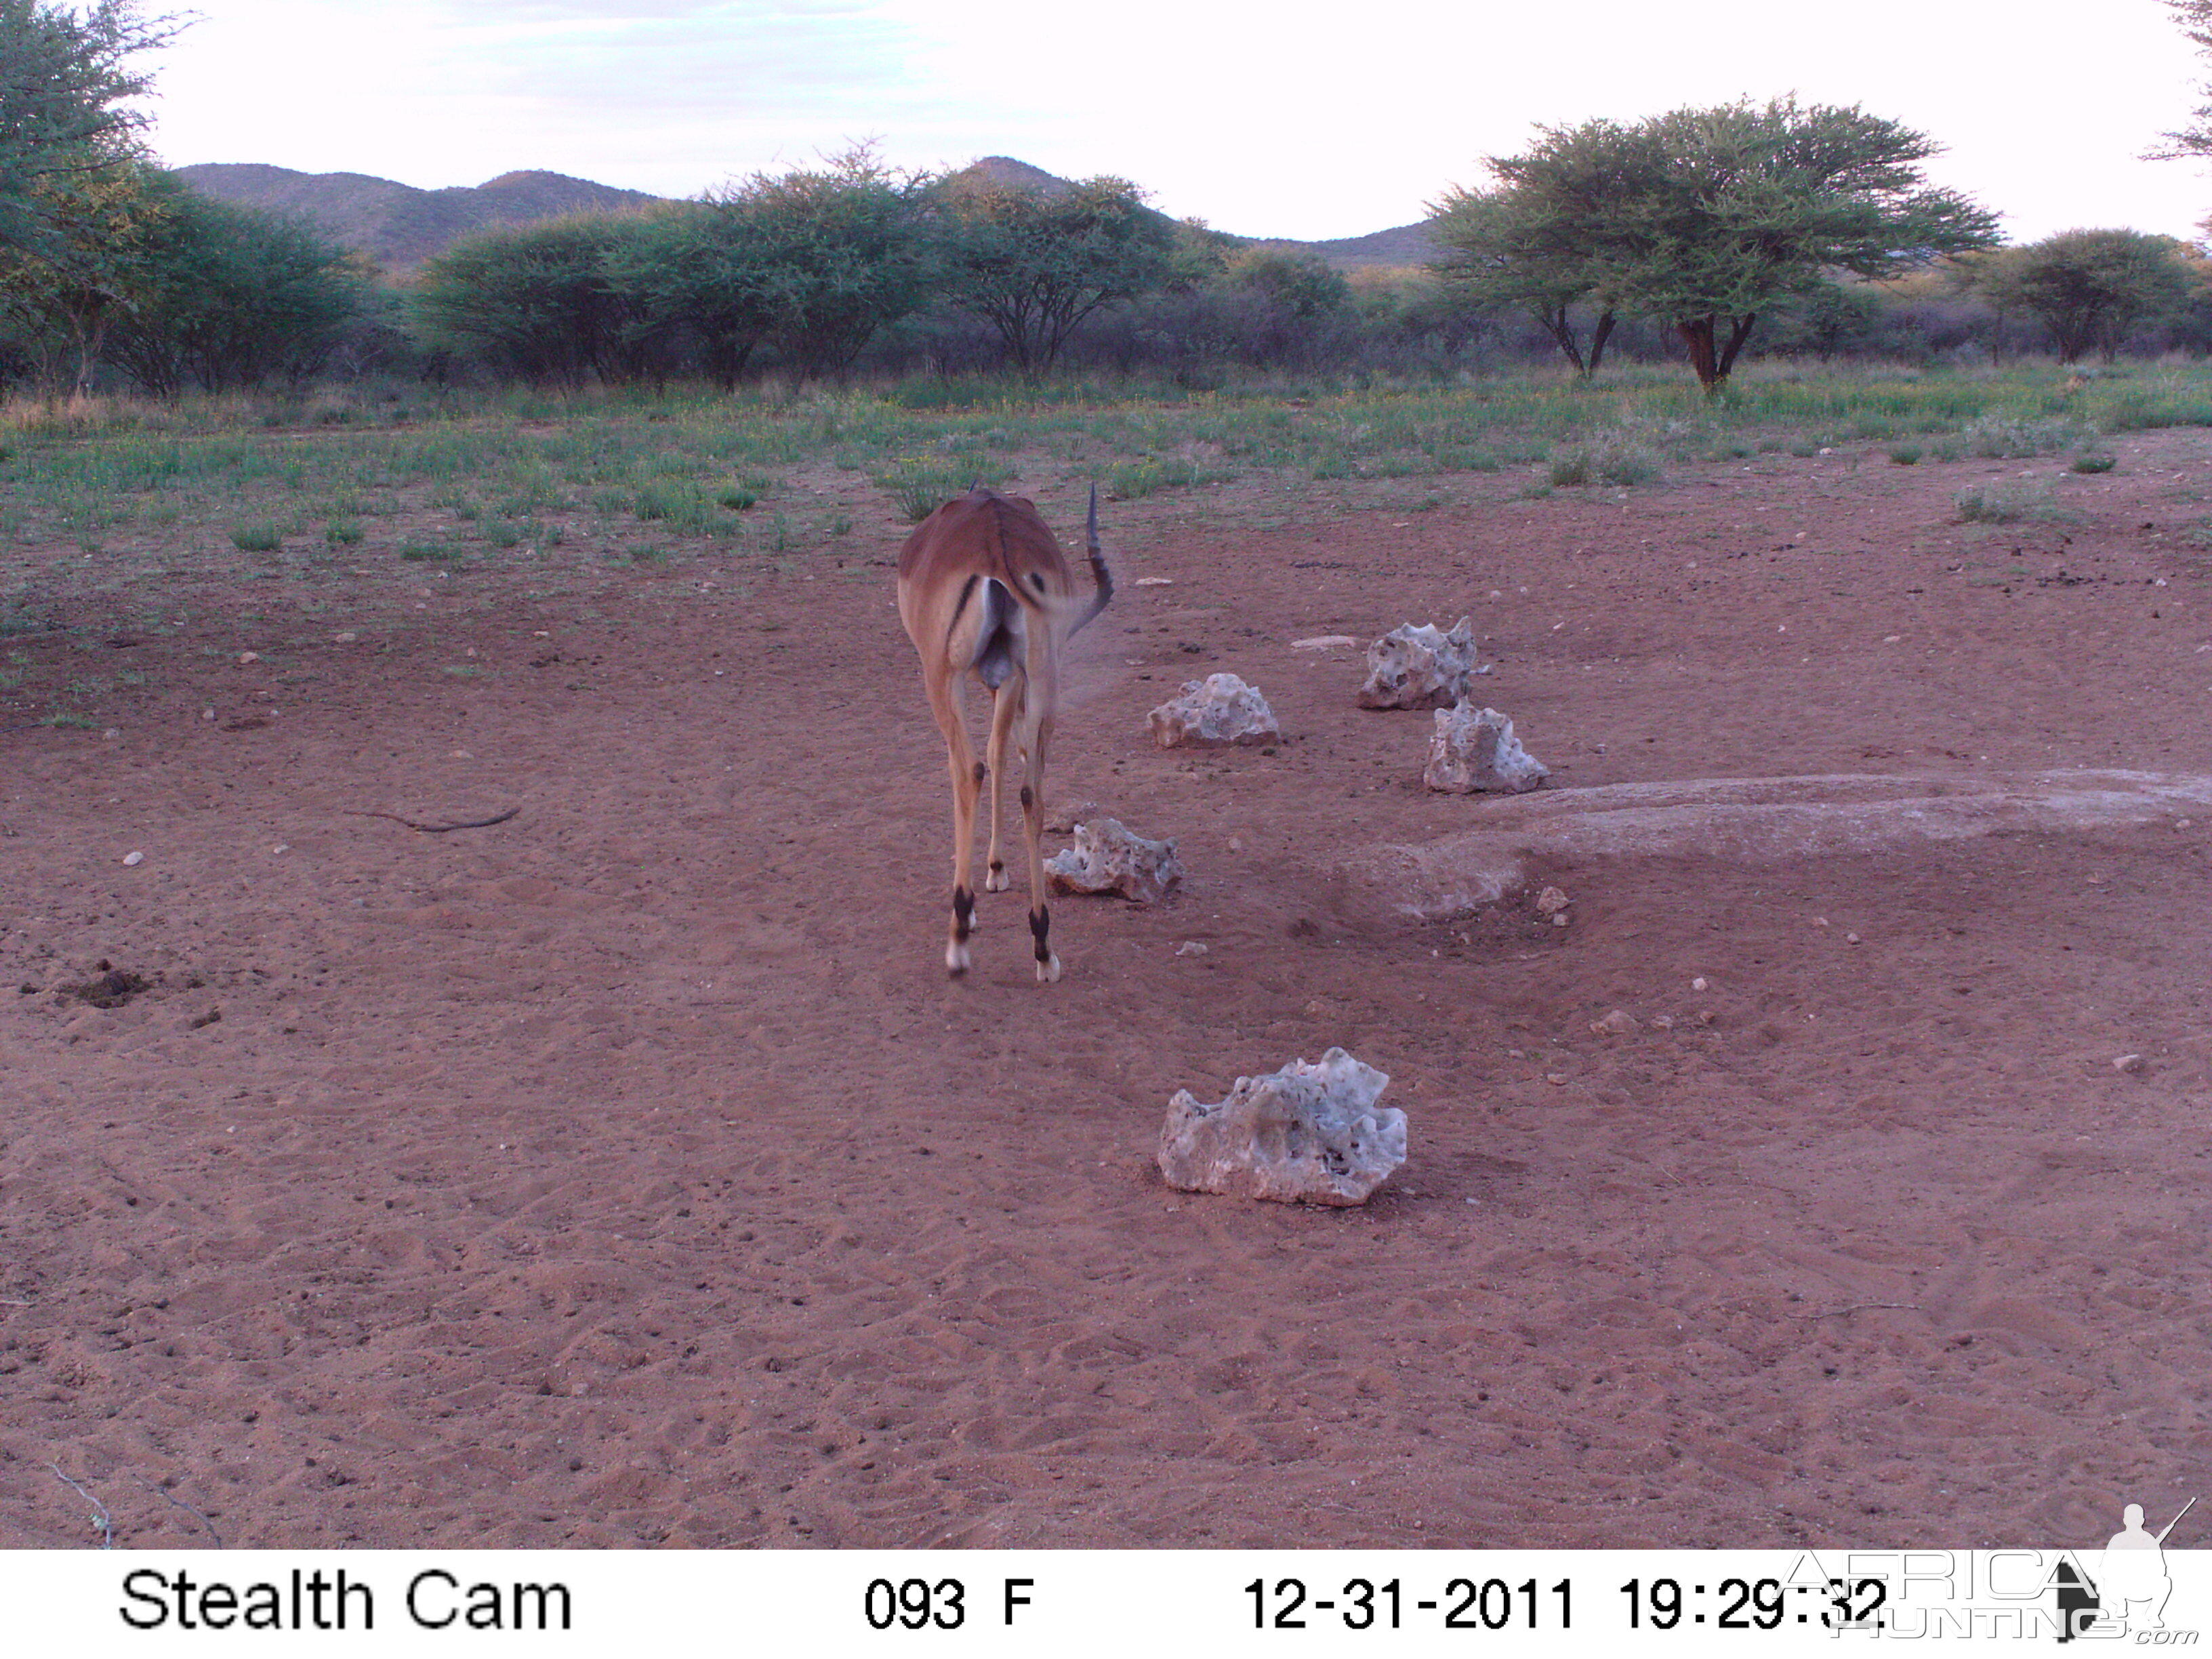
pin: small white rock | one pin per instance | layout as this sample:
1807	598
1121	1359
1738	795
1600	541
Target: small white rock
207	713
2131	1064
1698	984
1156	582
1307	1133
346	638
1108	857
245	657
1323	643
1550	901
1423	667
1473	749
282	846
1619	1023
132	860
1190	947
1850	939
1220	709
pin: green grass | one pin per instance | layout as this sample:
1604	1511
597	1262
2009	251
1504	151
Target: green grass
512	473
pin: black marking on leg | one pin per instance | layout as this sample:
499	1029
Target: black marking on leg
963	914
982	771
1028	799
998	867
1041	926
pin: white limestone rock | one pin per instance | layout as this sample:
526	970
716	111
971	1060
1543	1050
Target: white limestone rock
1110	858
1475	749
1218	709
1305	1134
1422	667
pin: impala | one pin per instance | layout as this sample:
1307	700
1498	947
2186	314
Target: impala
985	593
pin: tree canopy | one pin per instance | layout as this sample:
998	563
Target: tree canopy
2195	17
2087	287
1034	264
841	254
1703	218
65	79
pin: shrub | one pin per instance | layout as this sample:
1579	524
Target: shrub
922	484
1615	458
2000	440
2007	503
257	539
1129	480
2095	463
1904	454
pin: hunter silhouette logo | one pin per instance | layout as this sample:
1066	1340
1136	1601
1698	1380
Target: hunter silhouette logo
2131	1583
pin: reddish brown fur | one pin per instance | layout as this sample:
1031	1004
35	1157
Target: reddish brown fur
979	539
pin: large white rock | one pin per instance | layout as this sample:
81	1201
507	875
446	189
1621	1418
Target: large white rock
1475	749
1110	858
1220	709
1306	1134
1422	667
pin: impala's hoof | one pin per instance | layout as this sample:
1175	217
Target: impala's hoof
995	879
1048	970
956	960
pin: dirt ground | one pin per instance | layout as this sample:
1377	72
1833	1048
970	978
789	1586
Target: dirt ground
629	1171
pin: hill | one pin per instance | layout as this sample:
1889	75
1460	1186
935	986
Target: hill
398	225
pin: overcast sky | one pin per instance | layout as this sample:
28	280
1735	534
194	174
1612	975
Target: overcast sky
1283	121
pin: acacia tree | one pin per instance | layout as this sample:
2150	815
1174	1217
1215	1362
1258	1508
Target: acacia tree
842	251
701	266
1034	263
545	303
66	74
2195	17
1529	241
1705	218
224	296
2087	287
73	184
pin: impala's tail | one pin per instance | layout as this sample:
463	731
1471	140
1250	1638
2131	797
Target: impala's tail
1099	573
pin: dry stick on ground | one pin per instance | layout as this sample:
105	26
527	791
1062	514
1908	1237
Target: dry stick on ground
439	828
178	1503
100	1517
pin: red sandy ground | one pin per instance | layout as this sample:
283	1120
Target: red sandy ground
630	1173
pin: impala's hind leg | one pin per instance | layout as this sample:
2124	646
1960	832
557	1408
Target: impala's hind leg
967	784
1037	733
1005	709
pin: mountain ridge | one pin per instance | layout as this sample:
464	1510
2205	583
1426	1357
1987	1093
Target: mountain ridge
400	226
